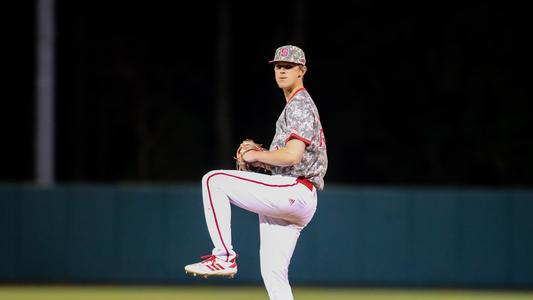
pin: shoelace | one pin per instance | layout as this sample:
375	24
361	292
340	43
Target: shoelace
212	259
208	259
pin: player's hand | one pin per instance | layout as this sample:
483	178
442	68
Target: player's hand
246	159
249	156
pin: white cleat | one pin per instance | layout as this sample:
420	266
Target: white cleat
213	266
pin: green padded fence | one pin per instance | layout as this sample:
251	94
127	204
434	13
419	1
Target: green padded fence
379	236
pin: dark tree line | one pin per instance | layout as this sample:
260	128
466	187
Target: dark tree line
426	95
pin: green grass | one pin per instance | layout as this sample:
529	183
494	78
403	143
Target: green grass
243	293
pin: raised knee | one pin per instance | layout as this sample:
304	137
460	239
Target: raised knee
208	176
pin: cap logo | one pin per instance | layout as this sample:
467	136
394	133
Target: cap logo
284	51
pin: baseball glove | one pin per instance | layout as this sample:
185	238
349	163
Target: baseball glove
242	165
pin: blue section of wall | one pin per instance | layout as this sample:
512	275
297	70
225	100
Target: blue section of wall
360	235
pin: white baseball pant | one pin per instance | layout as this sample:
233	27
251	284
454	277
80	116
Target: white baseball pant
285	206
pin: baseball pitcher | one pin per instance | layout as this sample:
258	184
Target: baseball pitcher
279	184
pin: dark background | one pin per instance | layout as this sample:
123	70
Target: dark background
408	95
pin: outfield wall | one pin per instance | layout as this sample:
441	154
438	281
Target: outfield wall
360	236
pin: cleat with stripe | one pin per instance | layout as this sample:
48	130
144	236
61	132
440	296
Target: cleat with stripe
213	266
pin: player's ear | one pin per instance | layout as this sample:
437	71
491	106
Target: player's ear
303	69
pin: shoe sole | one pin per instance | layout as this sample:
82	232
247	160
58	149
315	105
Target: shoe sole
194	274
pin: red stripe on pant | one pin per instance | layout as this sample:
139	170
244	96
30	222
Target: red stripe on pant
241	178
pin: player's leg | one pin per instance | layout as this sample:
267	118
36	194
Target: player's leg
278	240
275	196
217	211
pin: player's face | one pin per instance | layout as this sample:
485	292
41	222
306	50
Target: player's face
287	74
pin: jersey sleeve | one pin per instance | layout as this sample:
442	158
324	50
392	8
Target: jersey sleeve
300	120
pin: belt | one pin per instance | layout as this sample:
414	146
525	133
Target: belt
305	182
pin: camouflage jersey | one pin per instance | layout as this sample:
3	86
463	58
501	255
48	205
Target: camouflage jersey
300	120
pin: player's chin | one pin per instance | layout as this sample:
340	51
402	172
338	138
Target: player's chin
283	84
